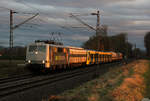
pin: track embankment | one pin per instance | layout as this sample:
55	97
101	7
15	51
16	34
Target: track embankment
126	83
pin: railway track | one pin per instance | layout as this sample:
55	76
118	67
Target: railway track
15	78
20	85
9	88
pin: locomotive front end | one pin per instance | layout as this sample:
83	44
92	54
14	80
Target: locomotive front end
37	56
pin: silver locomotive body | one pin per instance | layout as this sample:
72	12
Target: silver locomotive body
36	54
46	56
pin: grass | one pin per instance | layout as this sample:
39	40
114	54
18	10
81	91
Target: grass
7	68
96	90
147	80
133	85
131	71
6	63
125	83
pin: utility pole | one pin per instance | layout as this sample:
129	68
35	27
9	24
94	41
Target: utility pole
135	51
13	28
11	35
98	28
98	22
99	38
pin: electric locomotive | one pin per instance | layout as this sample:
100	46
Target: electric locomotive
42	55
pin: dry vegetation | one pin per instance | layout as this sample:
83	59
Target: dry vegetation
125	83
133	87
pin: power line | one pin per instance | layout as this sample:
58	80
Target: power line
17	11
33	8
40	12
5	8
40	19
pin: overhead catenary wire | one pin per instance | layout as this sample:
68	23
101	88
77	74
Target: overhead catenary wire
5	8
39	11
40	19
27	5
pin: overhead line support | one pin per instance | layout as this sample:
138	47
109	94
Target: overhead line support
13	28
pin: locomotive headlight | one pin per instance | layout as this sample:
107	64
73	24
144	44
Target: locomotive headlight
29	61
43	61
36	52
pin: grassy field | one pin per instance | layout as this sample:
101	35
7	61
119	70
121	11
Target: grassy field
8	69
147	80
125	83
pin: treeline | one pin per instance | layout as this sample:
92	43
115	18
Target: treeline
17	53
117	43
147	43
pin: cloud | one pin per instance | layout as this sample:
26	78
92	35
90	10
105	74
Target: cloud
131	16
77	3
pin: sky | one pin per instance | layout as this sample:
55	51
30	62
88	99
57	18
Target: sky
127	16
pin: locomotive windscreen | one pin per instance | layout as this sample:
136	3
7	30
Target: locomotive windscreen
34	48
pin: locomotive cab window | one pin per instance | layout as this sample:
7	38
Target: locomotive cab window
41	48
32	48
37	48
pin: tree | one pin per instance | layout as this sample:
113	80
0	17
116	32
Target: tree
17	52
138	53
117	43
147	43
